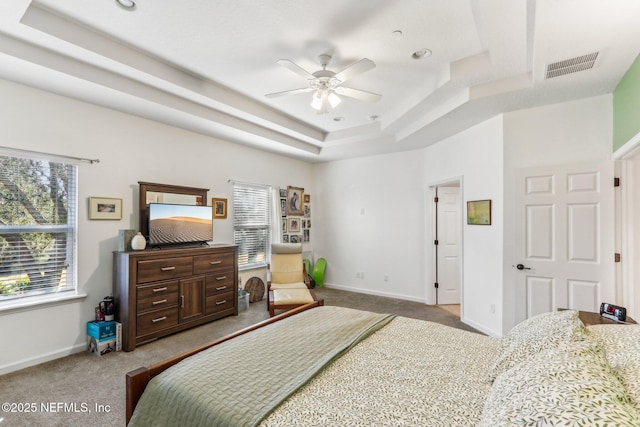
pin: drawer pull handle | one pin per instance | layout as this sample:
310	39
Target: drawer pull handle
162	301
224	301
215	262
159	319
167	268
221	288
221	278
181	301
159	289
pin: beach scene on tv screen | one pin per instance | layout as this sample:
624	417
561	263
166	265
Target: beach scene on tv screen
179	224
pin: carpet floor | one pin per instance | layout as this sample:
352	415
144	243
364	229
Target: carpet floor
83	389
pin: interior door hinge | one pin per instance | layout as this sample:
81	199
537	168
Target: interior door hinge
435	242
617	257
616	182
435	199
436	285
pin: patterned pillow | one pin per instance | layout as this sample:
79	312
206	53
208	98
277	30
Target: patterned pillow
572	385
541	332
622	348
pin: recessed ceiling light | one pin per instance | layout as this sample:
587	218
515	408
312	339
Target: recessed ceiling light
338	119
422	53
397	34
127	4
374	118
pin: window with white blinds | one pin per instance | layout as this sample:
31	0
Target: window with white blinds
38	226
252	224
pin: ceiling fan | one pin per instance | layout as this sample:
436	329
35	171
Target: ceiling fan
326	85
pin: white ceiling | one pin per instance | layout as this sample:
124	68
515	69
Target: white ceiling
206	65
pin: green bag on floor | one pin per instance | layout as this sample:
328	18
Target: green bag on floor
318	272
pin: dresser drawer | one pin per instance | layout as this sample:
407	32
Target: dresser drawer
164	268
220	302
214	262
219	283
156	321
157	295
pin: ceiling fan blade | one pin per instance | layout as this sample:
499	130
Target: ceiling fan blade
289	92
362	95
354	69
296	68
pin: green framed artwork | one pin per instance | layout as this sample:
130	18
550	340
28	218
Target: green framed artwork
479	212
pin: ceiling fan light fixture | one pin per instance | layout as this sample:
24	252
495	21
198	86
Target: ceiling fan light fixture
317	100
323	100
334	100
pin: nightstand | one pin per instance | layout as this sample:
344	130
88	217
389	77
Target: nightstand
589	318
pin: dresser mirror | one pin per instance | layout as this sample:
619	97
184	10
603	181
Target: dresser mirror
164	193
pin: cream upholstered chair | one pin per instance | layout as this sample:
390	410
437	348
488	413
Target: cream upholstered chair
288	283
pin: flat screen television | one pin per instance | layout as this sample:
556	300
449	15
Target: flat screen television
175	224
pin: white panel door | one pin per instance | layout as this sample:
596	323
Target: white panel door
564	238
448	258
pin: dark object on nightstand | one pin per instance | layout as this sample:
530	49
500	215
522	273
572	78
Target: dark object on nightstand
613	312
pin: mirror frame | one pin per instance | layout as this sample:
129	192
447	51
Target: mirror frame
164	188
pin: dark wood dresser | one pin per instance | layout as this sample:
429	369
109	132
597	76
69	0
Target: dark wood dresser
162	291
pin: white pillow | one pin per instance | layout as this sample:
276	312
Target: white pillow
541	332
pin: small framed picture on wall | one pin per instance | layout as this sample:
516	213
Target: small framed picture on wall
294	225
105	208
479	212
295	204
219	208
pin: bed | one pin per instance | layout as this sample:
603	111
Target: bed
339	366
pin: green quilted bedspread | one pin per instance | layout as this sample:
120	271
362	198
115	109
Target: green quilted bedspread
240	382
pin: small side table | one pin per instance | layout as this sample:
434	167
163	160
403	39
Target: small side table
590	318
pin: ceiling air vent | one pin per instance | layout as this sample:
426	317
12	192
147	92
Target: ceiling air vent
573	65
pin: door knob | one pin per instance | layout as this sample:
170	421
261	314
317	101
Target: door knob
522	267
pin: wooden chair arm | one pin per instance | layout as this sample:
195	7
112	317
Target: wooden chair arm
268	277
306	276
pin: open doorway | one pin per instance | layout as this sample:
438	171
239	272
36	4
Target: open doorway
448	246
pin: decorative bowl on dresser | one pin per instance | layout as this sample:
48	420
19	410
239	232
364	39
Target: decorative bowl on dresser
162	291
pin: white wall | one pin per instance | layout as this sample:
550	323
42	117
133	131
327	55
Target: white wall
130	149
368	215
475	155
573	132
373	218
391	237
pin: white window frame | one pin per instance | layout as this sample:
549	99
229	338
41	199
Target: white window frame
52	294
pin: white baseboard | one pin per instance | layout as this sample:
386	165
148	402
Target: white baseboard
377	293
481	328
42	358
